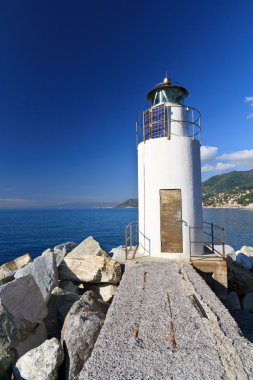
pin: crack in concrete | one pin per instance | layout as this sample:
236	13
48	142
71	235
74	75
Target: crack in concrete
171	336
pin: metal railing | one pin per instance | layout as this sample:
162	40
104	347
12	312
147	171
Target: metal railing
157	121
146	243
210	231
131	237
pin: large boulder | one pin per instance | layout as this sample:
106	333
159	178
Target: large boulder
247	250
69	286
90	247
41	363
233	301
60	251
59	305
79	334
247	302
44	271
37	337
7	359
104	291
89	268
8	270
23	300
22	309
244	260
119	254
240	279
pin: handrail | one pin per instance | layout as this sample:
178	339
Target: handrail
144	246
129	236
214	239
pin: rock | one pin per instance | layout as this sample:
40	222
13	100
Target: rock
119	254
104	291
60	251
21	308
23	300
7	277
8	270
37	337
247	302
79	334
48	250
9	333
233	301
41	363
44	271
96	304
244	260
90	269
89	247
240	279
7	359
247	250
69	286
59	305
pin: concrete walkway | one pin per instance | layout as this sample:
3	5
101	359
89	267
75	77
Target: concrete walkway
157	329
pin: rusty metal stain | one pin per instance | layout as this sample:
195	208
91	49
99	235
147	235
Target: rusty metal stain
171	226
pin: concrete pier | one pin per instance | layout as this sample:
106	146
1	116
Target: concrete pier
166	323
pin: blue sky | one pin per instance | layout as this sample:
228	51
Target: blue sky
74	74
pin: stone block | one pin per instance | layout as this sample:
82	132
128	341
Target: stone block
23	300
79	334
8	270
233	301
97	269
104	291
36	338
247	302
89	247
60	251
44	271
59	305
41	363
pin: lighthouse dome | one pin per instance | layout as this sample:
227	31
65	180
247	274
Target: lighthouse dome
167	92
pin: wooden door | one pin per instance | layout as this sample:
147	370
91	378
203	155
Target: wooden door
171	225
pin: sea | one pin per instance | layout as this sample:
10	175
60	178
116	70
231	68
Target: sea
34	230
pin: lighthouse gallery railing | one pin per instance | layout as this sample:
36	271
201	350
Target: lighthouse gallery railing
156	122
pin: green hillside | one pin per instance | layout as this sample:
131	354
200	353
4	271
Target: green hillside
235	188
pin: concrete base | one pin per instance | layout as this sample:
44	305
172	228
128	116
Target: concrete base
213	268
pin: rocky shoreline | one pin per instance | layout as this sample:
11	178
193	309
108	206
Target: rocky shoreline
53	308
237	207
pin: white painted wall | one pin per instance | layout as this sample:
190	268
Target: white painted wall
169	164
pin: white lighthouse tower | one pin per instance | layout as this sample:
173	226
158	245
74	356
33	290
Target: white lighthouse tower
169	175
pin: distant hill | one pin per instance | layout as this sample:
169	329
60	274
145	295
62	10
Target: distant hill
233	188
128	203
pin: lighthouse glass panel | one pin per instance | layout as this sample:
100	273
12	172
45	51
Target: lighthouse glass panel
169	95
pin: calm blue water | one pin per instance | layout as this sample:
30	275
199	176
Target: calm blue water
35	230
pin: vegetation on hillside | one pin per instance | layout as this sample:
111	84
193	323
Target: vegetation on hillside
234	188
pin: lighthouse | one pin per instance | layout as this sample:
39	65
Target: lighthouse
169	175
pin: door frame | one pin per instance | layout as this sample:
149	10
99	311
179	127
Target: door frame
182	241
